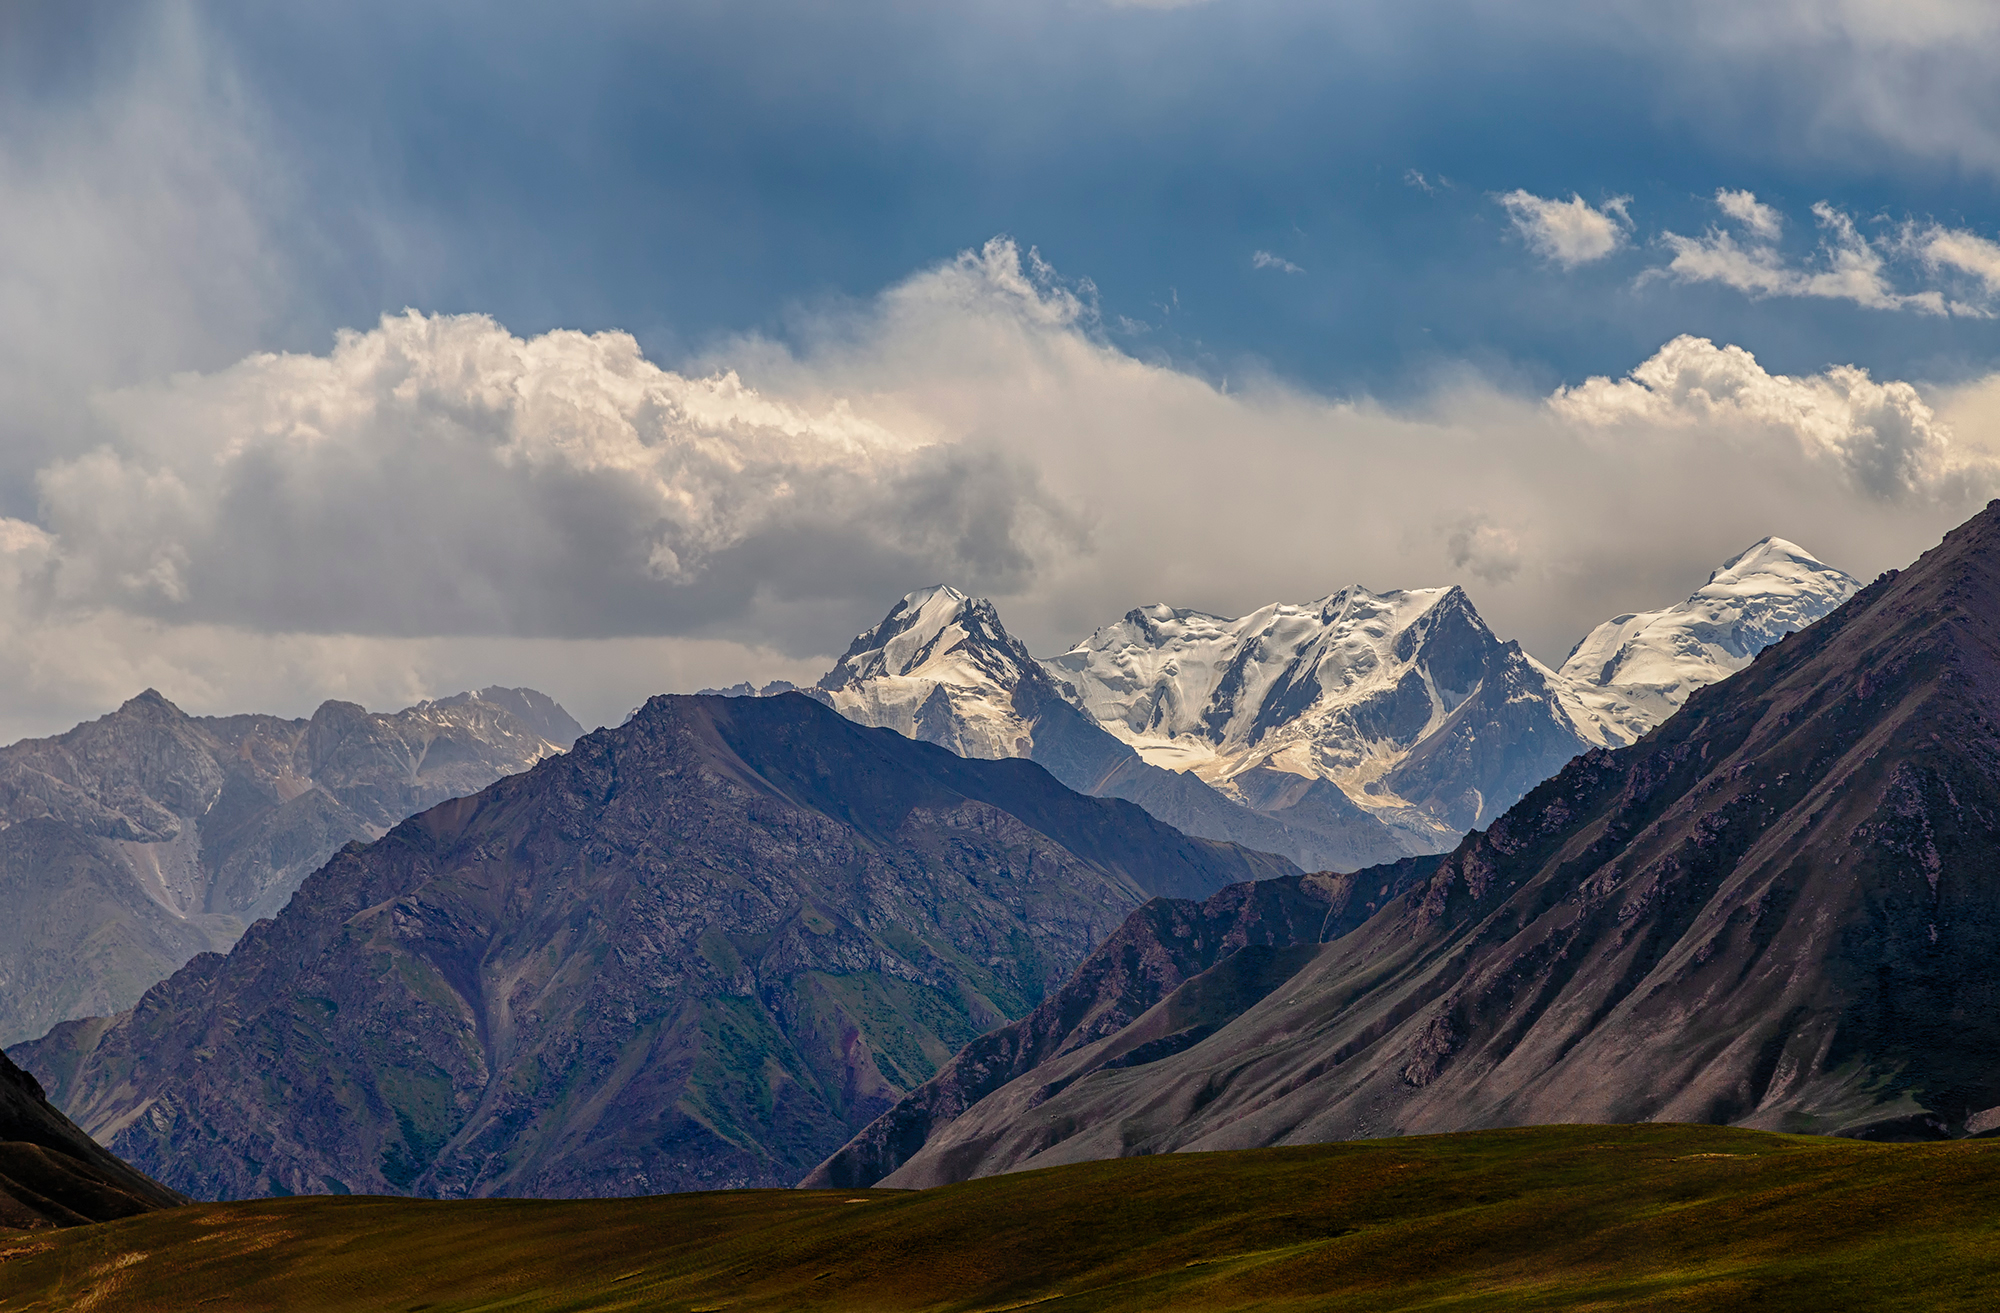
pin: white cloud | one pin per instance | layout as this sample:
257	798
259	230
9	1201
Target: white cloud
1849	267
1571	232
437	502
1884	437
1763	222
561	484
1967	252
1266	260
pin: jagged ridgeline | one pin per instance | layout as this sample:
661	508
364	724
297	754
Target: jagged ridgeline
1356	729
135	841
698	950
1781	910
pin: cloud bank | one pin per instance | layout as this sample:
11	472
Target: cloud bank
437	502
437	475
1883	437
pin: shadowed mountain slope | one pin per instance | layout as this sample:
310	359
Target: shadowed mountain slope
139	839
52	1174
701	949
1781	909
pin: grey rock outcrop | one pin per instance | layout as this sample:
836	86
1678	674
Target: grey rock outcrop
135	841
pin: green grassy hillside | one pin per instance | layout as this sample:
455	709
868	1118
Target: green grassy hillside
1571	1217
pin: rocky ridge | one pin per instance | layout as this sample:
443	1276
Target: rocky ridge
698	950
135	841
943	669
1240	943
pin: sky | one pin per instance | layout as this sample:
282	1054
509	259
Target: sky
377	351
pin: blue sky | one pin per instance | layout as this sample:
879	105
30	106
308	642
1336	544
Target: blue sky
1304	204
689	170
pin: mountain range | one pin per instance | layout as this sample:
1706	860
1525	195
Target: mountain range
1774	911
133	842
739	940
698	950
1353	730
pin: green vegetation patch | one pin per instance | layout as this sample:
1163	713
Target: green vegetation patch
1568	1217
743	1057
912	1029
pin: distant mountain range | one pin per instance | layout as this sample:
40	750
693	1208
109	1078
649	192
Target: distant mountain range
1354	730
698	950
1775	911
135	841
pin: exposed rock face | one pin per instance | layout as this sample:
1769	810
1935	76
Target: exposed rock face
942	668
1778	910
135	841
52	1174
1256	931
698	950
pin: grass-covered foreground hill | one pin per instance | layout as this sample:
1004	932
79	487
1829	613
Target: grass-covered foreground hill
1666	1217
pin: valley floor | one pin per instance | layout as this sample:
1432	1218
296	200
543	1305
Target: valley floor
1565	1217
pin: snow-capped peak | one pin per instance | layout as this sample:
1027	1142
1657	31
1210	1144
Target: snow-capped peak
1340	689
1183	685
940	667
1652	660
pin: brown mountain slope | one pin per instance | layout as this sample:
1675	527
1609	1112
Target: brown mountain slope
701	949
1780	910
139	839
1241	943
52	1174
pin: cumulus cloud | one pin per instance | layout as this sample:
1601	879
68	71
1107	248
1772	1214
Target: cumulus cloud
1571	232
1266	260
1884	437
1226	500
438	475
